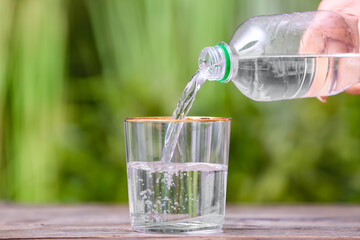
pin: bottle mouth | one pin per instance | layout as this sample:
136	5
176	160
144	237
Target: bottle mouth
214	63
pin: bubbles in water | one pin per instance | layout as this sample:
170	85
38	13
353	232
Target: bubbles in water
187	193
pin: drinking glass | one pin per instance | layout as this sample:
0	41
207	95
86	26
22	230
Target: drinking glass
183	194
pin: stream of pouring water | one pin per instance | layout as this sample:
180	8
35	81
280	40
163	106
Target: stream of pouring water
181	110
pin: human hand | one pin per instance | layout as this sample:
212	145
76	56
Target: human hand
332	34
351	8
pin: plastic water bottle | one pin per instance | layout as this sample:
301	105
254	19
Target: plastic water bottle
297	55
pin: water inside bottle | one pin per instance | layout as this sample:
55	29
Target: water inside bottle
279	77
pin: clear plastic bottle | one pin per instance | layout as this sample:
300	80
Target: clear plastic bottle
276	57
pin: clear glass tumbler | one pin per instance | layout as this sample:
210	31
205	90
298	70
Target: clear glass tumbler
186	193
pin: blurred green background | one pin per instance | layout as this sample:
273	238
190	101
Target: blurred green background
71	71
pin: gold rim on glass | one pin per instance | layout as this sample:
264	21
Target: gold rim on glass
168	119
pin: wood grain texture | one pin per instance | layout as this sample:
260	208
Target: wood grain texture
242	222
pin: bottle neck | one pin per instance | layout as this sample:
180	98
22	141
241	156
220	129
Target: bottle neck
217	63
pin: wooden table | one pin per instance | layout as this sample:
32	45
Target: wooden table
243	222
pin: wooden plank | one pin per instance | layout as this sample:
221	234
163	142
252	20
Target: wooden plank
243	222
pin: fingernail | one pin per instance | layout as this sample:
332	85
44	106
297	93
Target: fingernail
322	99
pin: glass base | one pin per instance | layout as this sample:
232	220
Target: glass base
178	228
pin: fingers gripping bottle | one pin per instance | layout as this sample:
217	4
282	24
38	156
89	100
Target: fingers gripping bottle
297	55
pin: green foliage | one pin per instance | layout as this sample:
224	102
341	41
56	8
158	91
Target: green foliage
32	94
71	71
